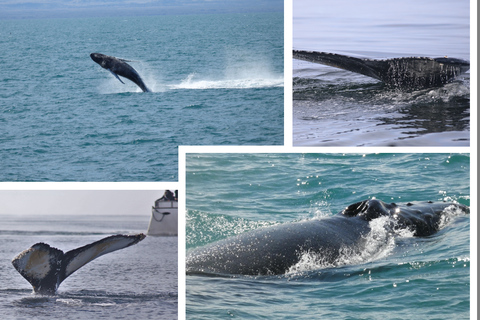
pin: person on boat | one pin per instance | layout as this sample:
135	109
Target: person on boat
169	196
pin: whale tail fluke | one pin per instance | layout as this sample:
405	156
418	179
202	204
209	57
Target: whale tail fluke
77	258
38	265
411	73
45	267
144	87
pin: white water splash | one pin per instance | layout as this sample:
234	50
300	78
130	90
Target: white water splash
242	71
448	214
191	82
377	244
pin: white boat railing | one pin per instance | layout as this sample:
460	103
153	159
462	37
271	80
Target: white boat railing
164	220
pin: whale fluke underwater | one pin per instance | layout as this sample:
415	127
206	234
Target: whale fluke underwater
119	67
274	250
412	73
46	267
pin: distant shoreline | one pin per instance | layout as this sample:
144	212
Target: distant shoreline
49	11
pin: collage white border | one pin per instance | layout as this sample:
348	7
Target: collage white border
183	150
288	148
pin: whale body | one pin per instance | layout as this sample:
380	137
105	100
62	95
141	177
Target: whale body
274	250
45	267
119	67
409	73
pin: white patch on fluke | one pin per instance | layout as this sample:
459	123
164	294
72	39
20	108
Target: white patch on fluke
101	248
34	262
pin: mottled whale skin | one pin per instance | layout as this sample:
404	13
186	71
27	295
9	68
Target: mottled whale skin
46	267
274	250
410	73
119	67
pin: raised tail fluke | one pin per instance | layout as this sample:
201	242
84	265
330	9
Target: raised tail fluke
410	73
40	266
45	267
77	258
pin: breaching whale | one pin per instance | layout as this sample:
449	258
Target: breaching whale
46	267
119	67
274	250
412	73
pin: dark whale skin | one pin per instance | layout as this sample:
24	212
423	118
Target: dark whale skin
273	250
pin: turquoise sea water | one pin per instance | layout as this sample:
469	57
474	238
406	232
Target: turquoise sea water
216	80
411	278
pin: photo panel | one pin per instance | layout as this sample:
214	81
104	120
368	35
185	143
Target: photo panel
383	73
105	252
278	231
110	99
250	159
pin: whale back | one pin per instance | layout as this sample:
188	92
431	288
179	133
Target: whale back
275	249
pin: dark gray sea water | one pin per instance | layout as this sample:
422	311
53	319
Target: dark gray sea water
334	107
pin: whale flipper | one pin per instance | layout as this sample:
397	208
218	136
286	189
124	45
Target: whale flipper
45	267
116	76
410	73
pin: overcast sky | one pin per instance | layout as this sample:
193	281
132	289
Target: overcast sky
64	202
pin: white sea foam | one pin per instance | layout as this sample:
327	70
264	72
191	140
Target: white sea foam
448	214
377	244
194	82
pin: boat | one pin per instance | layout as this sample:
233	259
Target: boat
164	219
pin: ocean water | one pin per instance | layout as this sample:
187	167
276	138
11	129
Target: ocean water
407	278
136	282
337	107
217	79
